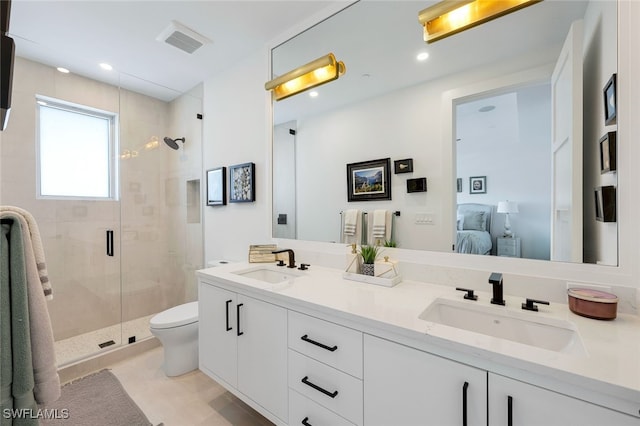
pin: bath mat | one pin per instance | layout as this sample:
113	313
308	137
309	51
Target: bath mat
97	400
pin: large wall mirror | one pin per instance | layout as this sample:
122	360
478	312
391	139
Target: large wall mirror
481	119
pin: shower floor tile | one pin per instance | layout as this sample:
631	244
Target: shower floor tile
88	344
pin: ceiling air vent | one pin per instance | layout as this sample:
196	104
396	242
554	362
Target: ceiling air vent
182	37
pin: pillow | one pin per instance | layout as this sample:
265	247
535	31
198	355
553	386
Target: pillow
460	222
474	221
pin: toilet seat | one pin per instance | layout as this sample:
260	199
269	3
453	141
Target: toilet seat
176	317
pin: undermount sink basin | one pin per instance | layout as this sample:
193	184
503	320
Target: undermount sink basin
542	332
269	275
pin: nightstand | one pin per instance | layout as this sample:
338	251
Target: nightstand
509	247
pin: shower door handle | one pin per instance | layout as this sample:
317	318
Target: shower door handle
109	242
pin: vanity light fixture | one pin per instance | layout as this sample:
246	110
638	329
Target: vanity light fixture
449	17
313	74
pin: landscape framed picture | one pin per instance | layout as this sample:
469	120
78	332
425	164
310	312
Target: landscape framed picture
478	185
217	186
242	187
369	180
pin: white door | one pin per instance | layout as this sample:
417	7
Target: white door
512	402
566	152
217	336
262	354
405	386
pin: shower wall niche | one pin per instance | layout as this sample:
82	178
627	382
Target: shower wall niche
99	299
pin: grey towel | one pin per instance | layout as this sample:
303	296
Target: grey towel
17	382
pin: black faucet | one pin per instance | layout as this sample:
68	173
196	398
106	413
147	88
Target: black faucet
292	257
496	281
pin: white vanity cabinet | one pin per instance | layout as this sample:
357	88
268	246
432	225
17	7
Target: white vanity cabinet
243	342
405	386
516	403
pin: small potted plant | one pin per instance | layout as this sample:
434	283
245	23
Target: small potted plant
369	255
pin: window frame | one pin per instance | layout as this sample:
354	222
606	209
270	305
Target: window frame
111	117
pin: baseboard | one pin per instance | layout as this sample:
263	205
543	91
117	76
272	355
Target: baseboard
103	360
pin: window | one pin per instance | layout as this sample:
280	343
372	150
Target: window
76	149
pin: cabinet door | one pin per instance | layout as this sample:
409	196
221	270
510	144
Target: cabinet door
262	354
534	406
405	386
217	333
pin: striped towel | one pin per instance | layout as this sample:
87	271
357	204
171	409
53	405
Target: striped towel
379	224
38	249
350	221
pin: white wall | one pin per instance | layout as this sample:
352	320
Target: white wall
237	129
599	64
284	173
399	125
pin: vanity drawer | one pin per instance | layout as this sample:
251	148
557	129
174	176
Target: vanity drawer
302	409
331	388
332	344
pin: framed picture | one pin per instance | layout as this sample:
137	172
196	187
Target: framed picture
605	198
459	184
217	186
242	187
403	166
478	185
369	180
417	185
608	153
610	104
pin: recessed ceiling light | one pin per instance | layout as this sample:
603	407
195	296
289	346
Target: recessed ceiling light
422	56
43	103
63	70
106	66
313	94
487	108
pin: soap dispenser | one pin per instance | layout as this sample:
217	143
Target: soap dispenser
353	261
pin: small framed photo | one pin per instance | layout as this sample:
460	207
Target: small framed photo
608	153
403	166
417	185
459	184
605	199
478	185
369	180
242	188
610	104
217	186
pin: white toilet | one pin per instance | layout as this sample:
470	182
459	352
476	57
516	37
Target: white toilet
177	330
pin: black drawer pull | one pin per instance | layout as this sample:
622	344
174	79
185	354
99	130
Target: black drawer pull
305	422
238	332
510	410
227	306
306	381
313	342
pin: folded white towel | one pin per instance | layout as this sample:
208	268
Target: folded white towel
350	221
379	223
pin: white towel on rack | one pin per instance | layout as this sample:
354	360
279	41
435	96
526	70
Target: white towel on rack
351	221
379	228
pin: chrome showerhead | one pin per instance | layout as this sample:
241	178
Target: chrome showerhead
173	142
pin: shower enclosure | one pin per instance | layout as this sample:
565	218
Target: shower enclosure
113	262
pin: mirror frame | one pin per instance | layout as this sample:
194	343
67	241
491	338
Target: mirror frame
627	271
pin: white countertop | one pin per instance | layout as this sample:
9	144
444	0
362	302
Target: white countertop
611	365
